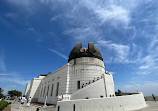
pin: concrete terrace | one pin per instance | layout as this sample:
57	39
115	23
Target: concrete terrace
151	106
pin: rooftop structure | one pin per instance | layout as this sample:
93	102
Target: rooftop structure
91	51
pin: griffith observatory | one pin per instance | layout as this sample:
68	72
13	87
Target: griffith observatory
82	84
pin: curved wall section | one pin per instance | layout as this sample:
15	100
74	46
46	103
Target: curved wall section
93	90
84	70
119	103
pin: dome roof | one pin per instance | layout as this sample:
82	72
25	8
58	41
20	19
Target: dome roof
91	51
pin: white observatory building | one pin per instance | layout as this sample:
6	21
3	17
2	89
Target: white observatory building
82	84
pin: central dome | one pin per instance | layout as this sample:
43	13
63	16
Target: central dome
91	51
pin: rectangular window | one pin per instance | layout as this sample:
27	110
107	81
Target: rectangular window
58	108
74	107
44	91
47	90
57	90
78	84
41	91
52	89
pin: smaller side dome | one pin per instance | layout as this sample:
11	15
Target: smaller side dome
91	51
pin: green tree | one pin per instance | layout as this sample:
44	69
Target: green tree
1	90
1	94
119	91
14	93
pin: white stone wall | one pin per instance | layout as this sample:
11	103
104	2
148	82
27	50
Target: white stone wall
102	87
117	103
33	91
27	89
93	90
60	76
109	85
84	69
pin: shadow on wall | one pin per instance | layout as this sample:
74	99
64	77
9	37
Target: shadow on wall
36	95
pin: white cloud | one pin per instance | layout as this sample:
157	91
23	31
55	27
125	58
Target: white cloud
14	80
31	29
54	18
30	6
2	61
13	77
12	87
147	87
8	88
132	29
149	63
87	16
58	53
99	13
114	13
21	2
122	51
108	10
83	33
12	15
2	64
4	74
37	36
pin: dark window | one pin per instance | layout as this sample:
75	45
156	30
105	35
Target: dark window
78	84
48	90
74	107
44	91
57	90
41	91
58	108
52	89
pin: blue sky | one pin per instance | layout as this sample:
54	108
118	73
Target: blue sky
36	37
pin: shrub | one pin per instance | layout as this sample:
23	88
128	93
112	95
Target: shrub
12	98
3	104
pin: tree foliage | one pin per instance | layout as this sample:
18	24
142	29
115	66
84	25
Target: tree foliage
1	94
1	90
14	93
119	91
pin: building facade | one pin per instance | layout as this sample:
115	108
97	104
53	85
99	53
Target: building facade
82	78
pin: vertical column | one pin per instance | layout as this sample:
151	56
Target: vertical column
104	84
68	80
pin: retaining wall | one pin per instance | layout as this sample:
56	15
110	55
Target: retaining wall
118	103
